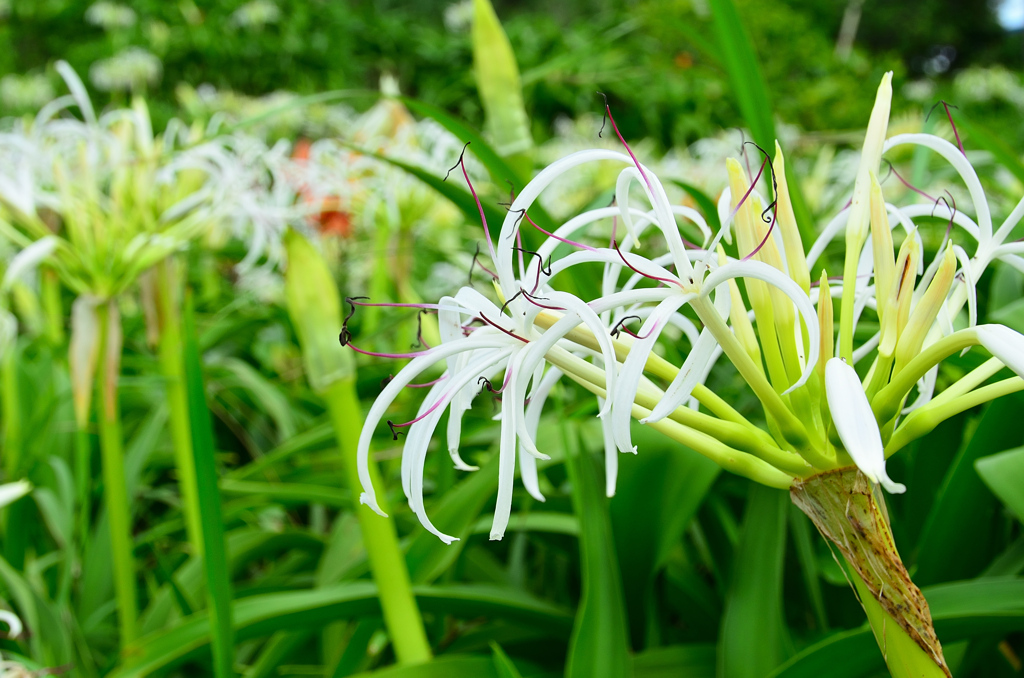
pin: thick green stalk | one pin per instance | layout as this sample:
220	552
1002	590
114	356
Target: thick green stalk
401	614
172	368
115	491
50	292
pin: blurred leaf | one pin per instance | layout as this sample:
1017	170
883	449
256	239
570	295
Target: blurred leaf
534	521
675	661
707	206
289	493
263	614
750	642
459	197
499	86
456	666
1004	155
957	539
960	610
657	495
600	639
1004	475
215	561
316	437
277	649
800	526
503	666
455	514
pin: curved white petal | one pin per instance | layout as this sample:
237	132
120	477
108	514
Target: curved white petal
690	374
855	422
14	626
773	276
26	261
527	462
972	293
632	369
415	367
507	453
1005	344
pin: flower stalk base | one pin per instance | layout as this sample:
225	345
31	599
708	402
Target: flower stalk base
843	505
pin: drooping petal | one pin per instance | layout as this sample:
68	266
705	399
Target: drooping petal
28	259
855	422
528	462
507	453
11	492
1005	344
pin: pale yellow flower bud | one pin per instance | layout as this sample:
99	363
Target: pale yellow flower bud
796	261
927	309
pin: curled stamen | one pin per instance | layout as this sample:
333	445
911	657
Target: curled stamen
480	208
419	343
545	271
952	211
608	115
667	281
557	237
509	301
906	183
746	195
502	329
476	255
952	124
394	433
773	207
620	326
344	337
533	300
386	380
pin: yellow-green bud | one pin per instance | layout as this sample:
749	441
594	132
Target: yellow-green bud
881	242
871	156
315	309
927	309
796	261
826	335
899	297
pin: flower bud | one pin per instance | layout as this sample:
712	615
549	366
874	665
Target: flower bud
882	248
927	309
871	155
897	301
315	310
796	260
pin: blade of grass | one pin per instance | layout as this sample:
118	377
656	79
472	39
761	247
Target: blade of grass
218	582
1004	475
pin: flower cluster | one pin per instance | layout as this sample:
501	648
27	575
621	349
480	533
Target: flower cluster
780	335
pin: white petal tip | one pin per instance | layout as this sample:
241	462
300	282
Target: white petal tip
370	501
893	487
446	539
497	536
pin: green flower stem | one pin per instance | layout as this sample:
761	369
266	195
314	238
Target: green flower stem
401	614
790	426
115	491
50	293
172	368
903	656
889	400
921	421
847	307
740	463
659	367
83	484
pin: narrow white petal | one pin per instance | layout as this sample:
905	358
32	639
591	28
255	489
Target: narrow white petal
855	422
506	455
527	462
1005	344
14	626
694	367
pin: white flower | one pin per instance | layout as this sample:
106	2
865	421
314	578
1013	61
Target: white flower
855	422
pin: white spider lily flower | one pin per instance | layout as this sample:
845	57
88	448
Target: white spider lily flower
855	423
14	627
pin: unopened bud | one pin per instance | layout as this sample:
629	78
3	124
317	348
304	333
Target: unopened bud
882	248
899	297
927	309
796	261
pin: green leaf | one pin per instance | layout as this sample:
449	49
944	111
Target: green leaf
1004	155
289	493
740	61
455	666
960	610
215	561
316	437
1004	475
261	615
958	538
691	661
658	493
600	639
535	521
499	86
503	666
750	642
706	204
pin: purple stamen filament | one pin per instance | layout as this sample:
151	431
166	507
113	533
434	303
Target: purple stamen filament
502	329
667	281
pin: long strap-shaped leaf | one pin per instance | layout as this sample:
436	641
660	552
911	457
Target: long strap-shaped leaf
215	562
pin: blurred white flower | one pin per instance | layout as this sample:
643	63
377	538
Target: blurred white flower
132	69
25	92
110	15
458	16
256	14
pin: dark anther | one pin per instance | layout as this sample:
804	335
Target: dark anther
386	380
621	325
419	343
545	271
519	219
511	299
394	431
461	155
604	118
486	384
344	337
473	264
